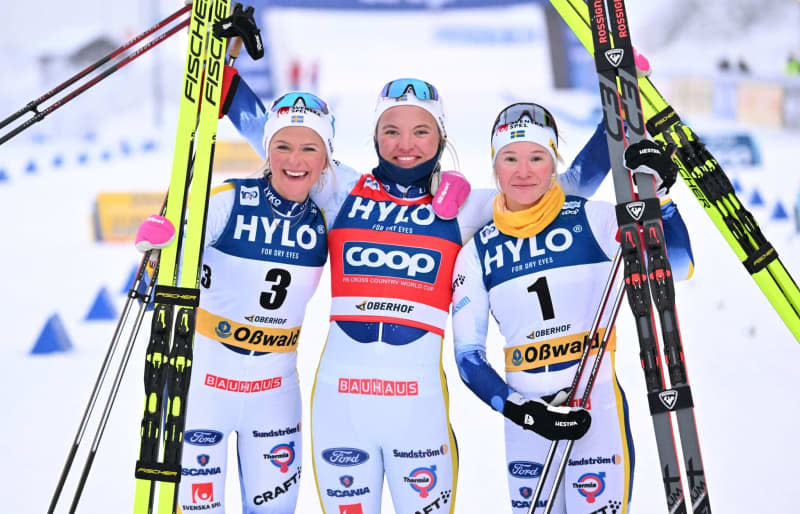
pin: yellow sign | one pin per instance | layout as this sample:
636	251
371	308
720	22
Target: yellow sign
554	351
117	216
249	337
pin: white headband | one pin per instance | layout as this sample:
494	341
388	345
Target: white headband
434	108
525	130
299	116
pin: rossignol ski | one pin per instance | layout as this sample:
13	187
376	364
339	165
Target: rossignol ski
168	367
619	92
704	176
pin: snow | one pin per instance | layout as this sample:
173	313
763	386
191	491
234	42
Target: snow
740	357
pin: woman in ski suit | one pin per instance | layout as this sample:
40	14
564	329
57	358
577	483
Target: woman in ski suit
265	248
548	255
380	400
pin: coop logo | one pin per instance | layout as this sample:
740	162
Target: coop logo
203	437
591	485
422	480
248	195
223	330
345	456
524	469
281	456
391	261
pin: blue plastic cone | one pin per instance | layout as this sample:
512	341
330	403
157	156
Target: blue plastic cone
3	176
779	213
755	199
103	307
737	186
53	338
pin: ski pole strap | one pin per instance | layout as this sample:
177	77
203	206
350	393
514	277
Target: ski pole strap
189	297
662	121
158	471
670	400
760	259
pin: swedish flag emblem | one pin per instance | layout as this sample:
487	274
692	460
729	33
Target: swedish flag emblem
517	133
297	118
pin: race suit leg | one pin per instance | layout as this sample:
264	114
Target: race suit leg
599	473
381	407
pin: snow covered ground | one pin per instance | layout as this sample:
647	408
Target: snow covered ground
741	359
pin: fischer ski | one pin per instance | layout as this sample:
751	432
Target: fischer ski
168	367
619	93
706	179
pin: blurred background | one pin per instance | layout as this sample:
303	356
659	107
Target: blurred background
74	187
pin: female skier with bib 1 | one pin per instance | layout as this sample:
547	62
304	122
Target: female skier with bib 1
540	267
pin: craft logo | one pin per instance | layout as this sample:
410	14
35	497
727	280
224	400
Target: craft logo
517	134
346	480
203	492
668	398
223	330
525	492
391	261
353	508
422	480
459	280
203	437
203	459
248	195
591	485
524	469
613	507
278	490
378	387
345	456
281	456
439	503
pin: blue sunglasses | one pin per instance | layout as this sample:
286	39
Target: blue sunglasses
309	102
402	87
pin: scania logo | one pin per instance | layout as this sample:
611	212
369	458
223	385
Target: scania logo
391	260
524	469
203	437
345	456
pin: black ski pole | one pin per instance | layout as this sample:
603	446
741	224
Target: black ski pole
39	116
31	106
133	294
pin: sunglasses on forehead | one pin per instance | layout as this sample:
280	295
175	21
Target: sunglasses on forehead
307	100
402	87
534	112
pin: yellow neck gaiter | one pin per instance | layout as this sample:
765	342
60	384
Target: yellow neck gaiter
531	221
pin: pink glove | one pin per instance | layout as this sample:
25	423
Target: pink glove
642	64
154	233
450	195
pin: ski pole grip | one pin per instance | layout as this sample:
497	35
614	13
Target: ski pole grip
235	49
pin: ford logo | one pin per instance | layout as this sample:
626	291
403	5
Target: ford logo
345	456
524	469
203	437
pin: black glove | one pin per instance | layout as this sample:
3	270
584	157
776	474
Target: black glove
652	158
242	24
554	423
